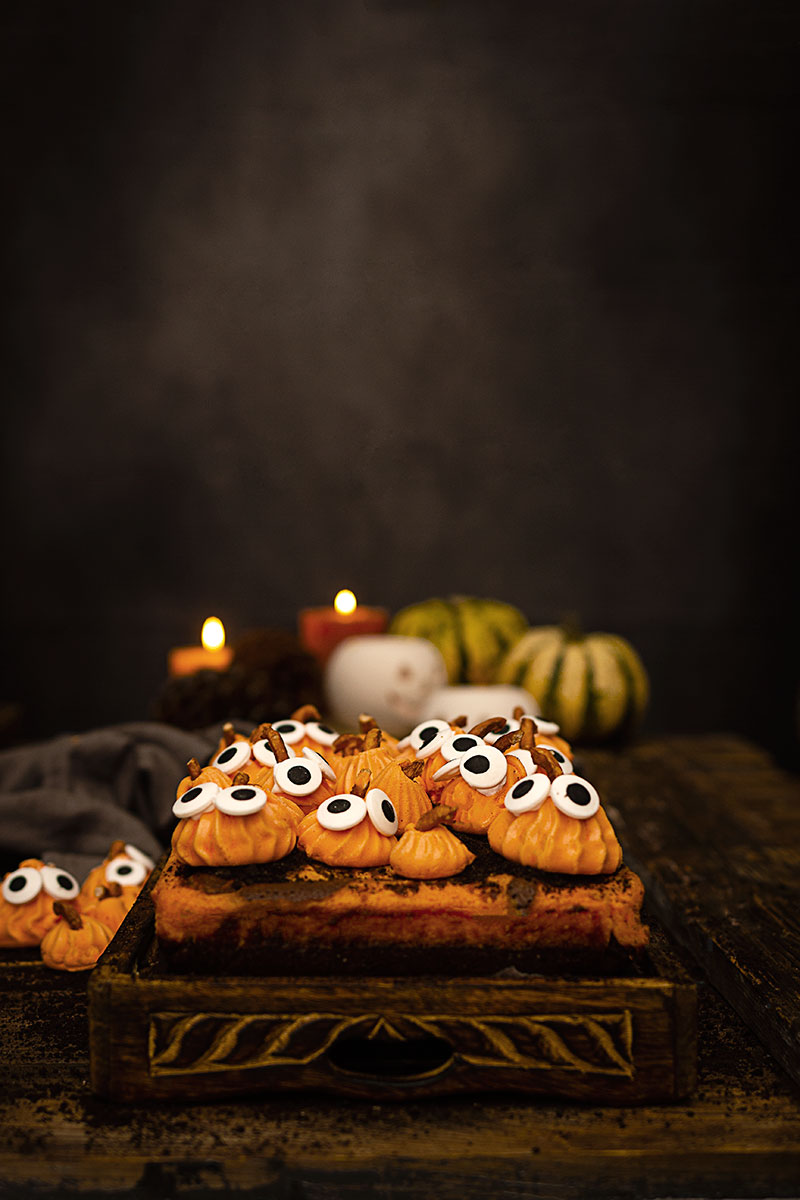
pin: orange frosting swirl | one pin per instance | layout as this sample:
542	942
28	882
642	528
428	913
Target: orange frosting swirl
67	949
263	778
216	839
26	924
474	811
207	775
408	796
360	846
348	768
551	841
429	854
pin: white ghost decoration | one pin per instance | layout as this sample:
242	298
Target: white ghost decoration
386	675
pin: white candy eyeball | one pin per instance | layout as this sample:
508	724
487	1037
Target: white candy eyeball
241	800
232	758
321	733
574	797
139	856
427	737
381	811
511	726
484	768
125	871
324	765
458	744
526	758
290	731
263	753
527	794
196	800
59	884
22	885
561	758
545	727
342	811
297	776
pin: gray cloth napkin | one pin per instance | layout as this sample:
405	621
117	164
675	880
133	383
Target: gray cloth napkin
66	800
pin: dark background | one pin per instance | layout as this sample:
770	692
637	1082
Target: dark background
411	298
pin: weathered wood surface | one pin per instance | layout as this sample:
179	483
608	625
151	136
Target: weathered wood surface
713	828
738	1136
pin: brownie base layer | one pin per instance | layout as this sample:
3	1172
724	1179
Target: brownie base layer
299	917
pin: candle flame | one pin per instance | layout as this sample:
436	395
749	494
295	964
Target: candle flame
213	634
344	601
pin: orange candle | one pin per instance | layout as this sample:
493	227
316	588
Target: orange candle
212	655
322	629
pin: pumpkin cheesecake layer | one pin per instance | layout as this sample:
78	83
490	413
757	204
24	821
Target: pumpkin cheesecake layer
308	917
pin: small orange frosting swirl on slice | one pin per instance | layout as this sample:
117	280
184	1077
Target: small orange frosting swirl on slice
75	942
197	776
217	839
402	785
474	812
552	841
429	850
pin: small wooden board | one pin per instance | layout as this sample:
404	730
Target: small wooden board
621	1040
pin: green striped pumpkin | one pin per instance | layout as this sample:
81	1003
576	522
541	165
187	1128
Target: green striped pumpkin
473	635
594	685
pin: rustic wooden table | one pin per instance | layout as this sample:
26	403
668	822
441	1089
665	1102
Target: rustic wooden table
712	826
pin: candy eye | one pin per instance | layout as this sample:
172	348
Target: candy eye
562	760
525	757
324	765
342	812
22	885
232	758
297	776
484	768
262	753
381	811
459	744
241	800
59	884
574	797
546	727
124	870
290	731
197	800
509	727
139	856
423	735
527	794
321	733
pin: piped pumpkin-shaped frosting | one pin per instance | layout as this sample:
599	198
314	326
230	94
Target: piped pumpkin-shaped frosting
75	941
358	752
545	733
26	901
306	780
429	850
230	825
554	822
110	889
475	786
401	782
305	729
351	829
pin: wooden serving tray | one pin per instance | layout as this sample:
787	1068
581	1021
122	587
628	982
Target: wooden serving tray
622	1040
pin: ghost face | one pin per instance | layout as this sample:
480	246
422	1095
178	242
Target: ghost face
386	675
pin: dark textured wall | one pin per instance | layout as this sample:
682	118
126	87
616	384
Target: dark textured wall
409	298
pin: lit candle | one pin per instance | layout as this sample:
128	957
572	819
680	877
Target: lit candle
212	655
322	629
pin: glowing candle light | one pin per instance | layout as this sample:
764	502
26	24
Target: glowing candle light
211	655
322	629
